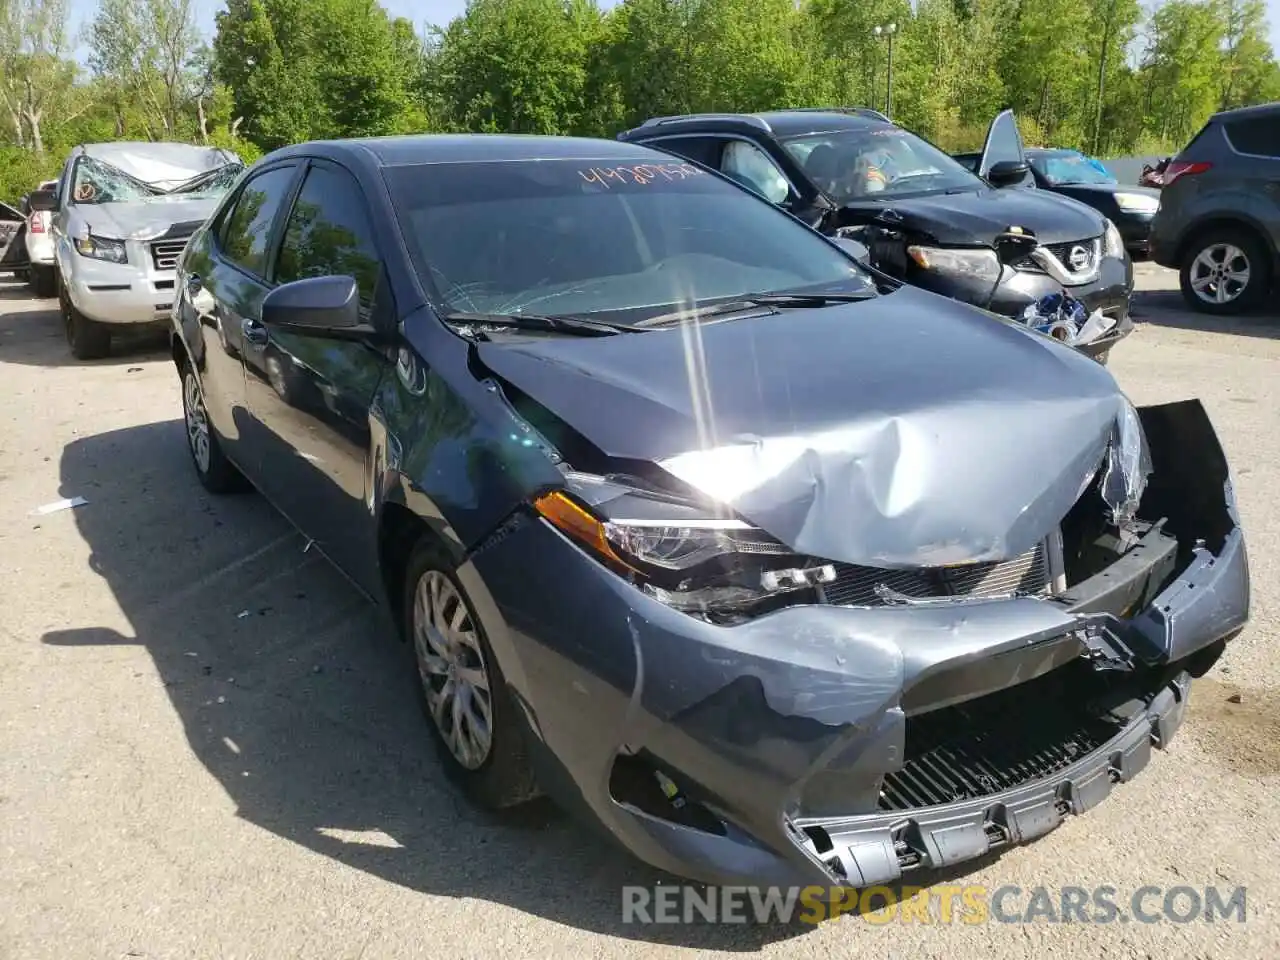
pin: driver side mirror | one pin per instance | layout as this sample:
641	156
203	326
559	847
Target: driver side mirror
1007	173
317	306
43	200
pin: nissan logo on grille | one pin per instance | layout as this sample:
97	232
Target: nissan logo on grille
1078	258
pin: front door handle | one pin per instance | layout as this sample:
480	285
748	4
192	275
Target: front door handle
253	331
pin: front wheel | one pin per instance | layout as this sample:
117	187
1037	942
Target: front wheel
462	689
87	340
1224	272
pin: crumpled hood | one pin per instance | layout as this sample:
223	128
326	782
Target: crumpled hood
907	430
144	219
164	164
980	216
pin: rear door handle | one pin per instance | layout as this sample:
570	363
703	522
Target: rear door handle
253	331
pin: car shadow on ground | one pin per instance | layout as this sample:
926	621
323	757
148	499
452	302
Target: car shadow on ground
295	696
36	338
1166	308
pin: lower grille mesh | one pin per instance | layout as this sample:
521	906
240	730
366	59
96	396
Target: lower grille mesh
1000	741
857	586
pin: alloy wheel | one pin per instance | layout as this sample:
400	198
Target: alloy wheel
452	669
196	420
1220	273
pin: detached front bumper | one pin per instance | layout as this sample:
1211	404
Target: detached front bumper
782	732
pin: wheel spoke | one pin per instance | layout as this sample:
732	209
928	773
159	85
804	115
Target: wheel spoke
473	678
1201	282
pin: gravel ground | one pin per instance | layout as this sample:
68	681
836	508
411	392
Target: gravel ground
208	747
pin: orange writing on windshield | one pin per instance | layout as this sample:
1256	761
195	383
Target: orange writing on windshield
642	173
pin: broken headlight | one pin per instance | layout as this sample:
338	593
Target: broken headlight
970	264
101	248
680	553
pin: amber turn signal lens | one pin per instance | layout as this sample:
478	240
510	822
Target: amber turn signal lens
581	526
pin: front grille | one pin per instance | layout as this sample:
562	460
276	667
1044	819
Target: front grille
1001	741
871	586
165	253
1063	252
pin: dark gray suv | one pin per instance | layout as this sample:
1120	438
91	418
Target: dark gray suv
1219	216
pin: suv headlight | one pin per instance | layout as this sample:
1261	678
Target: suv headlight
1112	242
981	265
677	552
101	248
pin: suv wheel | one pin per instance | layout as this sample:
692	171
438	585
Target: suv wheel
1225	271
87	340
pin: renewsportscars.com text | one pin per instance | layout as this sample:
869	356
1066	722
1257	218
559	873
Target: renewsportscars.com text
942	904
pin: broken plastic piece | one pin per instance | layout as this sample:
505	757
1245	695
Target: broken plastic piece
57	505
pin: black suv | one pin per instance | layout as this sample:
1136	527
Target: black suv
1219	216
986	237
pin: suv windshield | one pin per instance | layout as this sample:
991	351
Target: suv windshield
96	181
589	237
877	162
1070	167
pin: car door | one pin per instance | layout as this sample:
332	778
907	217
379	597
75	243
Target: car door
225	281
13	241
1004	142
310	395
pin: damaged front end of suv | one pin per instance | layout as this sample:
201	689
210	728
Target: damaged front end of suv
837	656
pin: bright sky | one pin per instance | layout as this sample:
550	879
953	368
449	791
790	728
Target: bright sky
442	11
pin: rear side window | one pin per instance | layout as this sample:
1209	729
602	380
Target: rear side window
1259	136
248	226
703	150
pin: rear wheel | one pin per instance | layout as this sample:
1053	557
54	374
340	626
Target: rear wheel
1225	271
43	281
462	689
217	474
87	340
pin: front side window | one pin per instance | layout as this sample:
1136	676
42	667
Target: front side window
1068	167
877	163
626	241
328	233
248	226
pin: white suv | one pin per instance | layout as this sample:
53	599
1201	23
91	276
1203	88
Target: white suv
40	255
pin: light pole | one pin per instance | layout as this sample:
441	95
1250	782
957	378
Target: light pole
888	32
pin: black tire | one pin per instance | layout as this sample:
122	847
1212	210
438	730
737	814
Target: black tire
44	281
1222	240
216	473
503	778
87	340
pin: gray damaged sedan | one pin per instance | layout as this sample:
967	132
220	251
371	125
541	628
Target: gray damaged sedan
778	570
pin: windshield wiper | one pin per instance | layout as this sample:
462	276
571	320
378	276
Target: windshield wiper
534	321
752	300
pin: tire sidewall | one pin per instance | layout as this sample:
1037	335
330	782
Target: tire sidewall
503	779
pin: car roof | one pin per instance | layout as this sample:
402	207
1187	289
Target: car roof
468	148
779	123
1245	113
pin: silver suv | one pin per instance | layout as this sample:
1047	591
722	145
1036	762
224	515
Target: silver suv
1219	216
122	214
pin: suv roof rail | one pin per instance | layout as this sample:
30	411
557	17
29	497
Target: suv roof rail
747	118
856	111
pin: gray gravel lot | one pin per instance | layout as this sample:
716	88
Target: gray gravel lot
209	747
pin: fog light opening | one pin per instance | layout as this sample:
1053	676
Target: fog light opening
636	780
